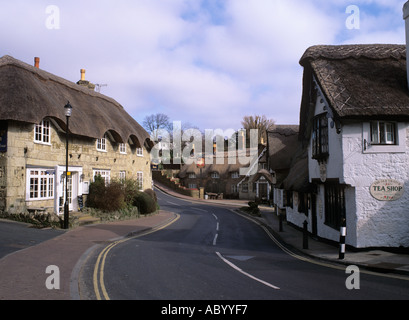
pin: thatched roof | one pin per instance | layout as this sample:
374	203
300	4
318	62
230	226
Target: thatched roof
298	176
29	94
282	143
358	81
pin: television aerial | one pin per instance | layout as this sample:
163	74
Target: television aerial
98	86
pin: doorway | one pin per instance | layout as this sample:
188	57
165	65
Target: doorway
73	188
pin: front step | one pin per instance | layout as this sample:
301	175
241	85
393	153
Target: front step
84	219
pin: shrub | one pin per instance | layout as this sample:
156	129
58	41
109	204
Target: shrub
120	195
96	192
107	198
114	198
252	209
144	202
131	189
152	194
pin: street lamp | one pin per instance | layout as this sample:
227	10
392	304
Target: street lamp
68	111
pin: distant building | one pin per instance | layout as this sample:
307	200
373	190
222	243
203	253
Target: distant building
249	181
103	139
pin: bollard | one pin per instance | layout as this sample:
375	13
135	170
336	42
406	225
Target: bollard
305	236
342	234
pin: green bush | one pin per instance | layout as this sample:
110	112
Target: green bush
96	192
145	203
109	197
131	189
120	195
152	194
252	209
114	198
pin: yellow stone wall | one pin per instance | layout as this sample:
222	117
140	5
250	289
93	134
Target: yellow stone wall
23	152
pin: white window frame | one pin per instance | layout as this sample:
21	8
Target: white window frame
40	184
102	144
139	152
122	175
105	174
398	147
215	175
122	148
42	132
192	186
389	133
192	175
139	179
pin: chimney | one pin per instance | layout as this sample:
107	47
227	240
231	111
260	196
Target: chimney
84	82
82	74
37	62
406	18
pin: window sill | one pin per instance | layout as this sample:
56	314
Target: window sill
386	148
43	143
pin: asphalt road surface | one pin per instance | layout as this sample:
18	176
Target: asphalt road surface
213	253
16	236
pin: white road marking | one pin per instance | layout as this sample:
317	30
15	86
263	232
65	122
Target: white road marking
215	239
245	273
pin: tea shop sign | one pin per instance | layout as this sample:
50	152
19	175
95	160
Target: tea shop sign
387	190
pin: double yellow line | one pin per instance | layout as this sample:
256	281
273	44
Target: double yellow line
98	278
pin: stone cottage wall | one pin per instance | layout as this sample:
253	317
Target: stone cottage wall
23	152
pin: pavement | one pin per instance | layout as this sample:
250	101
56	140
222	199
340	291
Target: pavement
24	272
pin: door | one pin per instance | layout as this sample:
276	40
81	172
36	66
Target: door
72	190
263	194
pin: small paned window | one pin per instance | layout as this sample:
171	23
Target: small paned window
42	132
122	148
320	149
383	133
102	144
105	174
139	179
41	184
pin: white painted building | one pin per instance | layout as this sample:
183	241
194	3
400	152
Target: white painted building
354	126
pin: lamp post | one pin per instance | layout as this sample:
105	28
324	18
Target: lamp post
68	111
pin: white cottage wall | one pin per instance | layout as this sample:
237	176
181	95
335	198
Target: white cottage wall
378	223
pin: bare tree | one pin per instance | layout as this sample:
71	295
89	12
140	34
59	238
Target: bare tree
258	122
155	122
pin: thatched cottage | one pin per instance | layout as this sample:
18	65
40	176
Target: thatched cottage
231	179
103	139
354	124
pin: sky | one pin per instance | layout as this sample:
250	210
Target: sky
207	63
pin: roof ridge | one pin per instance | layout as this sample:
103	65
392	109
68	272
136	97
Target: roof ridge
46	75
339	52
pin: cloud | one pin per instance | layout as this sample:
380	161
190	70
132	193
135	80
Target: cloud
207	62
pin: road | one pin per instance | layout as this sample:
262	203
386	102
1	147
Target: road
15	236
213	253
